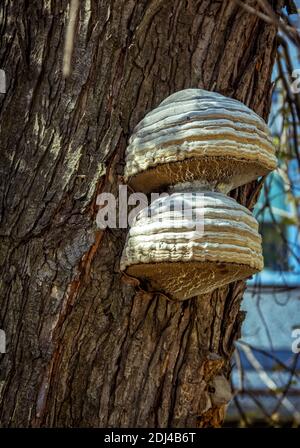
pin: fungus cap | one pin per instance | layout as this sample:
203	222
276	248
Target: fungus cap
195	134
212	242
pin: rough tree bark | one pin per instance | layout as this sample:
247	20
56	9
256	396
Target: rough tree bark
84	348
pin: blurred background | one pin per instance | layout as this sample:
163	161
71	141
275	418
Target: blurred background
266	364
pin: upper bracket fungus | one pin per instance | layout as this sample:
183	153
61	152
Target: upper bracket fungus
199	135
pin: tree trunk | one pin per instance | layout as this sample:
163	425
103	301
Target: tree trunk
85	348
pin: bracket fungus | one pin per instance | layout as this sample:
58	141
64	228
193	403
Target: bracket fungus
221	391
195	134
197	145
184	251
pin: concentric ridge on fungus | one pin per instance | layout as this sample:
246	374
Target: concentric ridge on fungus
196	134
165	248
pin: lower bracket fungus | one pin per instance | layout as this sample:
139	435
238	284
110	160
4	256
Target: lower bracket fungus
190	243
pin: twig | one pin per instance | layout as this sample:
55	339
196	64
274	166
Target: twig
271	18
